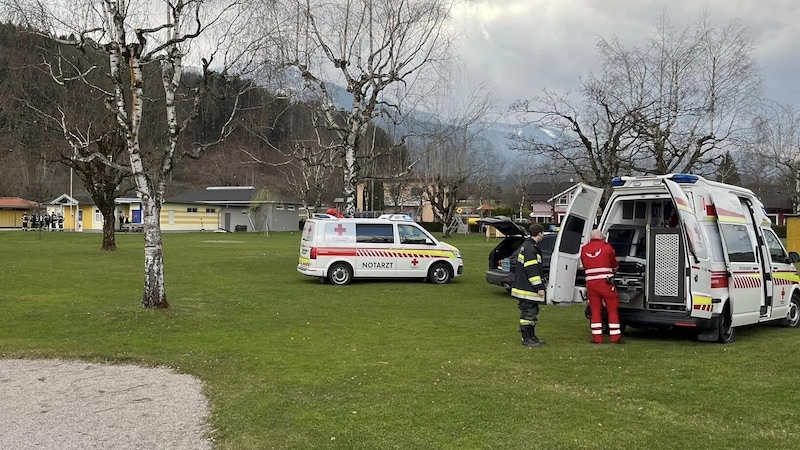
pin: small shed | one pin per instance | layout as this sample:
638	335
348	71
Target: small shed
485	209
12	209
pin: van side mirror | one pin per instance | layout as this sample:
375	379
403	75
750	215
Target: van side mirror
794	257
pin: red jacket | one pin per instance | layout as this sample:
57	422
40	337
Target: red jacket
599	259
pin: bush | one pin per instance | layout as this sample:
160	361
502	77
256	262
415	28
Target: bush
780	230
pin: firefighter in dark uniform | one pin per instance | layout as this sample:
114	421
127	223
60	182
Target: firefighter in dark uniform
25	221
528	285
600	262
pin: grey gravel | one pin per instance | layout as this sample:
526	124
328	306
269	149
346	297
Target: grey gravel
58	404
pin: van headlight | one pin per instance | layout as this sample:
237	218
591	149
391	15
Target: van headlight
457	253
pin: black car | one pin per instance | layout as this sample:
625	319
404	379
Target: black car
503	258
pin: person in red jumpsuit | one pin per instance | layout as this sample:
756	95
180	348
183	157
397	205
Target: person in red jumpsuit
600	263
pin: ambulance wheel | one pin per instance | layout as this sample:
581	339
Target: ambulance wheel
726	330
792	319
340	274
440	273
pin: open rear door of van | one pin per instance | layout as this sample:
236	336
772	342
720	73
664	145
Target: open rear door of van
573	233
667	263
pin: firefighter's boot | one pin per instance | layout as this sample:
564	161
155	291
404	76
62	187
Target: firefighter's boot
529	338
537	342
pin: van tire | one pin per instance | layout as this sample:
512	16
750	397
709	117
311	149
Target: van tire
340	274
792	319
440	273
726	331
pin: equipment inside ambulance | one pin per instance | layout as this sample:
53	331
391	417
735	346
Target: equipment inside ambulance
337	250
692	253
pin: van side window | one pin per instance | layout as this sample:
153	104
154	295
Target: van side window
409	234
572	235
714	242
738	243
776	251
374	233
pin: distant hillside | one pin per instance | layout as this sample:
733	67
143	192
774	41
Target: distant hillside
498	135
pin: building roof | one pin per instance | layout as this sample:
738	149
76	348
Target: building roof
226	195
16	203
544	191
65	199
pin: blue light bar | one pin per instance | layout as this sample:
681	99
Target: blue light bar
617	181
684	178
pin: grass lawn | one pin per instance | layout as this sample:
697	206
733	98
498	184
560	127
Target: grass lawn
289	362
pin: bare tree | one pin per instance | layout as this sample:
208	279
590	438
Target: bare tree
594	142
778	142
692	92
132	36
377	49
453	153
675	103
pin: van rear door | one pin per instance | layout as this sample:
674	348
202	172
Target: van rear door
739	246
574	231
661	285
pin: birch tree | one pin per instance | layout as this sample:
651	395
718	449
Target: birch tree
379	50
133	35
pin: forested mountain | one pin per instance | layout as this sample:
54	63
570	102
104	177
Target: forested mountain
261	148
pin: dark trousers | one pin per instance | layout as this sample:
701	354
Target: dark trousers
528	312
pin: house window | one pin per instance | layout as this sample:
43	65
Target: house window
211	210
563	200
191	210
98	216
290	207
278	207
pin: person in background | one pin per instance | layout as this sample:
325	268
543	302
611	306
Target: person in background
528	286
600	262
25	221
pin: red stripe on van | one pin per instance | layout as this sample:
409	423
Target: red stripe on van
719	280
333	251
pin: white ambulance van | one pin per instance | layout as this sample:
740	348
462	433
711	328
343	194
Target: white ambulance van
692	254
393	246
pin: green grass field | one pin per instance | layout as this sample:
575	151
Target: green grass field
289	362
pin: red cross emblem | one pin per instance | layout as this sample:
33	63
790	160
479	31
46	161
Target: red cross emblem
340	229
414	262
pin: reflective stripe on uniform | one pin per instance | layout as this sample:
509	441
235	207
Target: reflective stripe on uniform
526	295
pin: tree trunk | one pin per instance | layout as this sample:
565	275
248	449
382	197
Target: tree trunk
155	296
350	177
109	221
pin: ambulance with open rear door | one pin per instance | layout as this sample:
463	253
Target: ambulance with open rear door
692	253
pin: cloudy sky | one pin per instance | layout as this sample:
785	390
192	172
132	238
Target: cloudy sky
523	46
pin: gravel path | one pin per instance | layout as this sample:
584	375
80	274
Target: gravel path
65	405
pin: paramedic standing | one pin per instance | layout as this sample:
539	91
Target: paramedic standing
600	263
528	285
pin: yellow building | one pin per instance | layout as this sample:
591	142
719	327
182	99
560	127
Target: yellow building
214	208
12	209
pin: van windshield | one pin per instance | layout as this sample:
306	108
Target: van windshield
410	234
